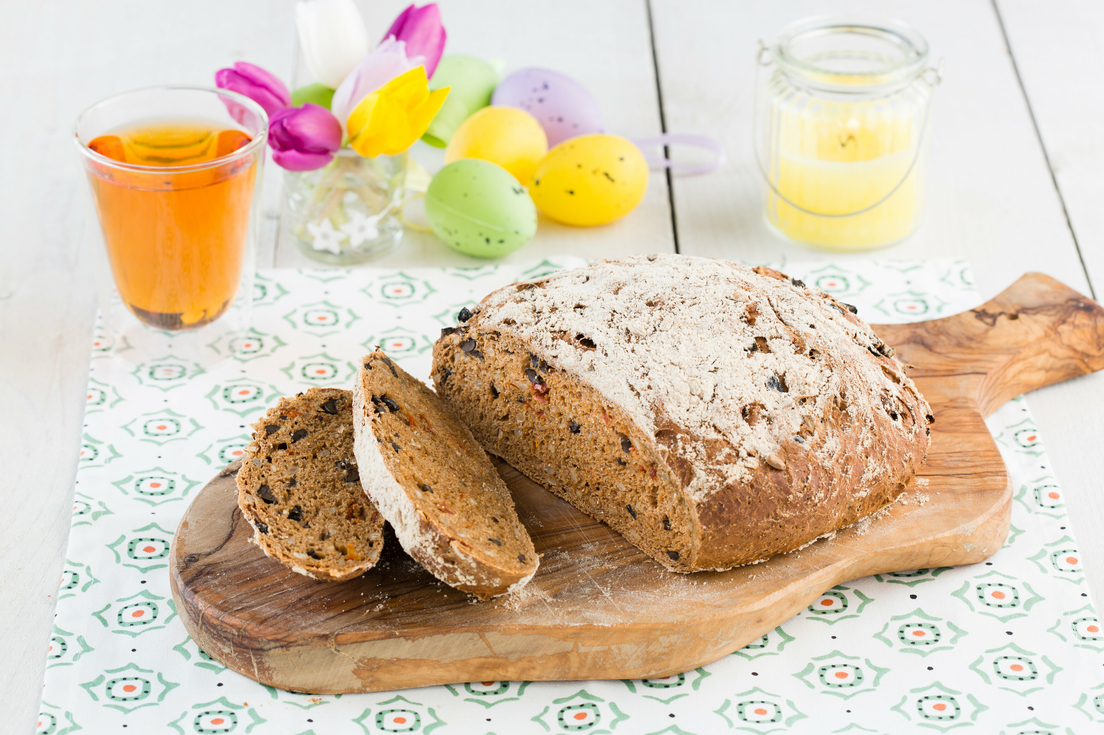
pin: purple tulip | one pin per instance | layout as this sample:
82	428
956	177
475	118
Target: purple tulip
424	35
303	138
256	84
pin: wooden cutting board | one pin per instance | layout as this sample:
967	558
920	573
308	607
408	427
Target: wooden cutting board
600	609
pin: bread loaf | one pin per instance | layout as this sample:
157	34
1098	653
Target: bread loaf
299	488
713	414
432	481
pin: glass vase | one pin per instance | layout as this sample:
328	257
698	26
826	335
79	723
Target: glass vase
347	211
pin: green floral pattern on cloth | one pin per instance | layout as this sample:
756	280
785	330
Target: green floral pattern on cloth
1011	645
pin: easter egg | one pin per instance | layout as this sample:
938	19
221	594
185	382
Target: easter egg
509	137
590	180
480	209
562	106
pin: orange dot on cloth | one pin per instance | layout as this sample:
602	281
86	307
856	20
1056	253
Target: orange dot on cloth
998	594
400	720
826	602
129	687
1052	495
487	683
760	711
1016	667
1071	560
1093	629
841	674
320	371
148	549
240	393
217	721
580	715
155	484
236	452
161	427
1032	438
137	613
939	706
918	633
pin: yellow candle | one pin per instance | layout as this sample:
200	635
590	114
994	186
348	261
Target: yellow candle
841	162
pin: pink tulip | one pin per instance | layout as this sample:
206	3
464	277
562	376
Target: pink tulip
303	138
387	61
256	84
424	35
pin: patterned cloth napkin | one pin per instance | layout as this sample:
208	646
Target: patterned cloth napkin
1011	645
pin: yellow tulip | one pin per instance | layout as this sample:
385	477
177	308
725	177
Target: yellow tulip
389	120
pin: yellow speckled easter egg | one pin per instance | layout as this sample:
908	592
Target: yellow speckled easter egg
507	136
590	180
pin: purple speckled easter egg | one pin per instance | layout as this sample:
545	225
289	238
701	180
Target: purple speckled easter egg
562	106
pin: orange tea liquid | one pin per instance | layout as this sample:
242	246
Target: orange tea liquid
175	239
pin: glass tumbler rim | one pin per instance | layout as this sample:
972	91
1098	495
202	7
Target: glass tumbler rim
894	34
258	140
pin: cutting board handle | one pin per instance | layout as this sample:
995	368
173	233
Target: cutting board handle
1036	332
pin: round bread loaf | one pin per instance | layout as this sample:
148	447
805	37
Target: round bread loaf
299	488
432	481
712	413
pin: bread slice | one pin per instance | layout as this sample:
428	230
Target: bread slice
432	481
300	489
712	413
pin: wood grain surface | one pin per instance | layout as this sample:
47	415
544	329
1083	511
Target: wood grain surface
598	608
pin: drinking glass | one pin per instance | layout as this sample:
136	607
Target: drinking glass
174	176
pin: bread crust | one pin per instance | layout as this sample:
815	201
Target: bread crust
417	460
768	409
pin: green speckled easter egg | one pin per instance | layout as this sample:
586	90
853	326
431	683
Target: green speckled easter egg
479	208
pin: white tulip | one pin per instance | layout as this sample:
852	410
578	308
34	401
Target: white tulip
333	38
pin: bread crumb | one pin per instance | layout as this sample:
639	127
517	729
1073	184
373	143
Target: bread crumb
519	599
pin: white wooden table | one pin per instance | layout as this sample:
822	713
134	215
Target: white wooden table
1015	180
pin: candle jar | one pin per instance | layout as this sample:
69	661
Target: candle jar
841	131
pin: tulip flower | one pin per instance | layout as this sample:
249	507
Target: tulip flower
423	33
333	38
303	138
387	61
256	84
389	120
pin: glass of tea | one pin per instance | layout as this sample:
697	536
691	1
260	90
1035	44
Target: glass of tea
175	177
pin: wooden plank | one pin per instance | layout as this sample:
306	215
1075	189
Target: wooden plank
394	627
55	60
1061	65
607	47
990	197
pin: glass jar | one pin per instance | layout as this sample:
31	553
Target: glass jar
841	131
349	210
